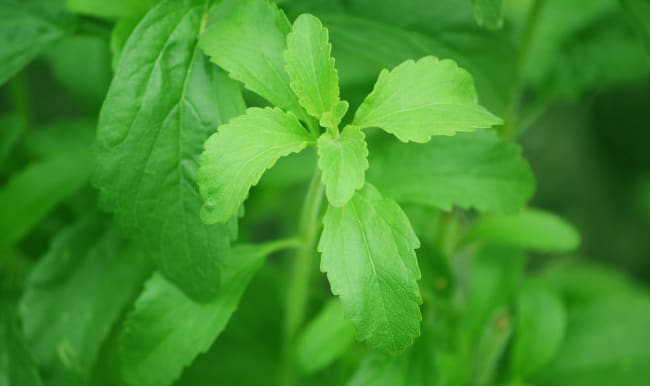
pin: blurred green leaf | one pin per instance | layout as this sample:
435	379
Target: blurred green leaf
167	330
236	156
488	13
324	339
606	344
73	297
31	193
474	170
532	229
248	43
110	9
121	32
417	100
639	11
164	101
313	77
368	252
27	28
343	161
540	326
11	128
20	364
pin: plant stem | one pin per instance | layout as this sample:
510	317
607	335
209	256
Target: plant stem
298	289
510	128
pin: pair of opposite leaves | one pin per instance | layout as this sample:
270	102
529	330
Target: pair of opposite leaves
367	242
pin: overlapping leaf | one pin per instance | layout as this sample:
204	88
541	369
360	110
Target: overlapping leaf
165	100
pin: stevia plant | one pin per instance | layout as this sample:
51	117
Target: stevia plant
259	205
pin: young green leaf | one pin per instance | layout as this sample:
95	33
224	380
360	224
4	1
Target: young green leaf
165	100
167	330
27	28
417	100
311	67
76	280
325	338
34	191
475	170
540	325
488	13
237	155
248	43
343	160
529	229
368	254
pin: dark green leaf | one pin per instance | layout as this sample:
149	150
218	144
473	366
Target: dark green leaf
467	170
167	330
75	295
639	11
21	367
165	100
28	28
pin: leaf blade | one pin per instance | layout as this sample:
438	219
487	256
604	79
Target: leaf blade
261	136
417	100
313	77
343	162
165	100
368	247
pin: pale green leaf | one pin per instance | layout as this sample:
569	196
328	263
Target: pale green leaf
27	28
248	43
539	328
331	119
343	161
167	330
311	67
533	229
417	100
325	338
488	13
474	170
76	281
368	254
164	102
241	151
31	193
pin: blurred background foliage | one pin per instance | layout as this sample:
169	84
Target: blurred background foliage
570	77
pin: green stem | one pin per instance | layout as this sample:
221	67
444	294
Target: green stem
21	96
298	290
510	128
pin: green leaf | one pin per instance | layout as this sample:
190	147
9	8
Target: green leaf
123	28
11	128
532	229
110	9
167	330
241	151
77	280
324	339
165	100
28	28
605	345
488	13
311	67
368	254
21	367
343	160
417	100
540	326
34	191
475	170
639	11
248	43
